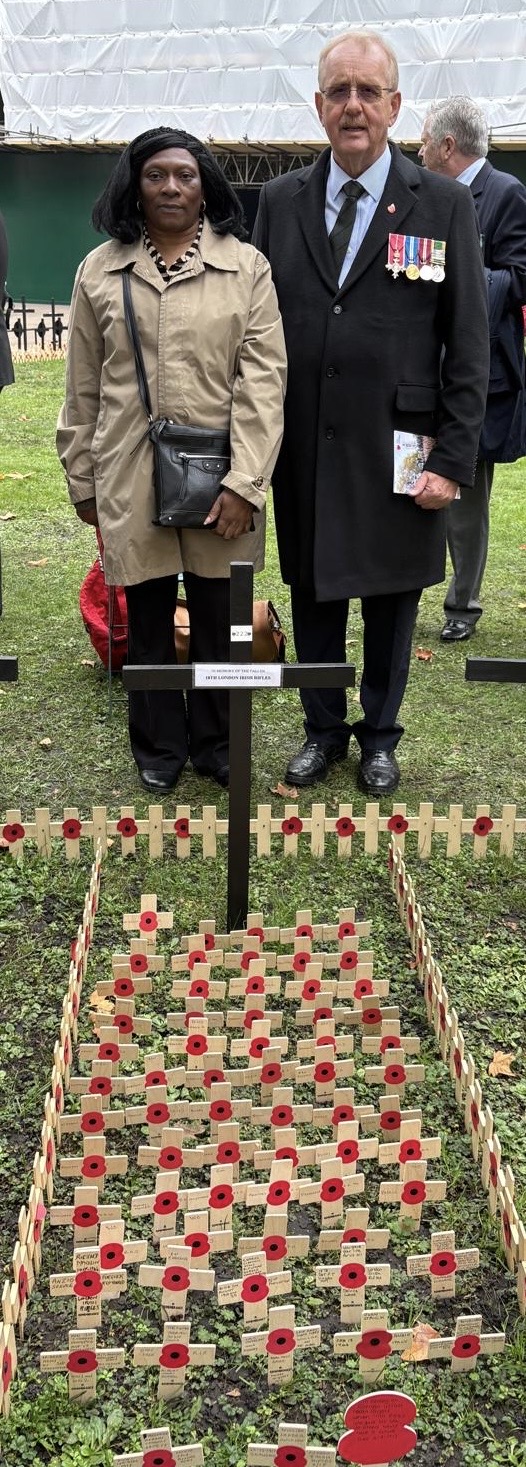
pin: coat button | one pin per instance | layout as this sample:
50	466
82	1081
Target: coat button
330	433
330	372
337	310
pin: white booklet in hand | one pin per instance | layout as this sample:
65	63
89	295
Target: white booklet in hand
411	452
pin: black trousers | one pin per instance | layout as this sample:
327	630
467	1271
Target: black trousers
319	633
165	728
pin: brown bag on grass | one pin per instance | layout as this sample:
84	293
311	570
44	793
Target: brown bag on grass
268	637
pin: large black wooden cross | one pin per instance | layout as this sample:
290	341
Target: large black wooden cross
240	677
496	669
8	669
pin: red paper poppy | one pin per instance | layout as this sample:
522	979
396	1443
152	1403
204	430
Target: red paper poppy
148	922
375	1344
59	1098
254	985
210	941
292	826
311	988
363	988
139	963
123	1022
429	987
93	1166
174	1357
342	1113
199	1243
346	929
371	1016
280	1342
74	1004
220	1197
50	1155
410	1151
196	1044
257	1047
109	1052
305	930
124	988
88	1284
177	1280
170	1158
389	1041
506	1228
247	958
274	1248
158	1459
127	826
354	1235
220	1110
182	828
92	1121
287	1153
197	956
112	1255
166	1202
442	1016
157	1114
85	1217
320	1015
290	1457
271	1074
71	829
413	1193
278	1194
493	1171
14	832
67	1051
466	1346
398	824
332	1190
228	1153
443	1264
81	1362
256	932
348	961
100	1085
395	1075
482	825
324	1073
23	1285
352	1276
345	826
400	885
153	1078
326	1039
7	1370
475	1116
348	1151
251	1016
457	1063
300	961
254	1289
37	1228
390	1120
281	1115
199	988
213	1077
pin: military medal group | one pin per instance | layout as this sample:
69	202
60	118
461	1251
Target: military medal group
416	257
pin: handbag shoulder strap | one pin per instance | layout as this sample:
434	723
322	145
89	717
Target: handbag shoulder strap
129	316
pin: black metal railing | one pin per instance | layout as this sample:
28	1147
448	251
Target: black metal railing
47	333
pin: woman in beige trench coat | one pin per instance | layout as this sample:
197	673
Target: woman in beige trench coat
214	356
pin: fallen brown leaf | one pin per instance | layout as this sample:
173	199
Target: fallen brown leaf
99	1004
501	1063
422	1334
45	743
87	662
15	476
44	561
8	515
424	654
521	605
287	791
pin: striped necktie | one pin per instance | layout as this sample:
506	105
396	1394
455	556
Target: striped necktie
341	233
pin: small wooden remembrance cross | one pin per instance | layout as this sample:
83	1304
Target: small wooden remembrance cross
157	1451
290	1450
236	677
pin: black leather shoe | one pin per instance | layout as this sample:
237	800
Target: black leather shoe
157	783
456	630
221	774
378	773
312	762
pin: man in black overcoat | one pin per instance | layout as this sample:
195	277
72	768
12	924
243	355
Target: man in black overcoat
6	364
374	346
455	144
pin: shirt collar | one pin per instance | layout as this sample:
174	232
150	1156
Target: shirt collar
469	173
373	179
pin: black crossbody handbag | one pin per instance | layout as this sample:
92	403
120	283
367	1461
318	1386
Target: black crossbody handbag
189	464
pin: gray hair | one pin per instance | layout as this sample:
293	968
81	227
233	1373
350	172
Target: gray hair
364	39
464	120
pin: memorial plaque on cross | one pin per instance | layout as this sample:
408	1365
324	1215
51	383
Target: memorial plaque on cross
240	677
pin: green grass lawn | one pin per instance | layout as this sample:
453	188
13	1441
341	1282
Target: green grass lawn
464	744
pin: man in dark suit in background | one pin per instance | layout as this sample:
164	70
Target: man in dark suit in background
6	364
383	299
455	144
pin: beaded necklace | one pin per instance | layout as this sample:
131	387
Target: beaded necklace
168	271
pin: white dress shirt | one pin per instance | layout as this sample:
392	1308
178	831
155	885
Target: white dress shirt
373	181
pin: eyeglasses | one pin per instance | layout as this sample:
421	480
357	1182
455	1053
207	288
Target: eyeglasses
339	95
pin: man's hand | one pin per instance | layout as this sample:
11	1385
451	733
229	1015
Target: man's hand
431	491
230	515
87	511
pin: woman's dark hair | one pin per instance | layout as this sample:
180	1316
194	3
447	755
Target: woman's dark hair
115	212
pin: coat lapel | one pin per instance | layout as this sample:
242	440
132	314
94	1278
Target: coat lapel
309	202
401	190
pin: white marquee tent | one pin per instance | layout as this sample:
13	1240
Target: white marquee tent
243	71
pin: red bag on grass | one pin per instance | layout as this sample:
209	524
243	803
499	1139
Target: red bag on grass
95	601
